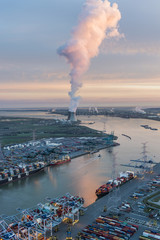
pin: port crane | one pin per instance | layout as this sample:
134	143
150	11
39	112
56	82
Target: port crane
144	162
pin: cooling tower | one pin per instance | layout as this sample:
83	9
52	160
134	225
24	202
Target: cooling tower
72	116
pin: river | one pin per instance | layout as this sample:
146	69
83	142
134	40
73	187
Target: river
83	174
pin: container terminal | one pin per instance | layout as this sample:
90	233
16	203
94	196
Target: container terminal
22	160
130	211
130	206
39	222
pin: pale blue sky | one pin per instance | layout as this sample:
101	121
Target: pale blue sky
32	30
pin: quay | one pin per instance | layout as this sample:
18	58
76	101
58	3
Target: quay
22	160
74	203
110	202
97	208
45	217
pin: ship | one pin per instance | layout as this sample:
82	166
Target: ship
148	127
31	169
20	171
154	129
126	136
66	159
111	184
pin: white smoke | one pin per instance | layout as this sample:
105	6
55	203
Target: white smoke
139	110
97	21
96	110
93	109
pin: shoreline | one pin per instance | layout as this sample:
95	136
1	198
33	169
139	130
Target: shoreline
95	209
42	128
72	156
95	151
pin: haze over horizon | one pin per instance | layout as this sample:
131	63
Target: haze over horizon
125	73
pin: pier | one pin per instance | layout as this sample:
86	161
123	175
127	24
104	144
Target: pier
100	207
97	208
132	166
141	161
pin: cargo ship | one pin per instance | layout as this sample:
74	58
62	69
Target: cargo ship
108	187
66	159
20	171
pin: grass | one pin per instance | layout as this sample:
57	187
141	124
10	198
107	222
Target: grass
157	199
20	130
148	203
148	210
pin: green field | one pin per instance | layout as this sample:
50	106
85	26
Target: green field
152	197
19	130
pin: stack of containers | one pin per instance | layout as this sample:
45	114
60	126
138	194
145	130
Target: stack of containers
150	235
109	228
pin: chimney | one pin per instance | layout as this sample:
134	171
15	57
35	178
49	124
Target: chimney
72	116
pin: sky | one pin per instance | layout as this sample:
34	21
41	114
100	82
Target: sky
125	73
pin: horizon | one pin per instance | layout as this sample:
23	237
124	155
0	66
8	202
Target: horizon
126	72
81	107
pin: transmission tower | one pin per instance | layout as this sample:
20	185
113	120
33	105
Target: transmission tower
34	135
104	127
144	155
2	158
115	197
1	153
114	170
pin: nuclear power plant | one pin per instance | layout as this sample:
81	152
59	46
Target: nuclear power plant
72	116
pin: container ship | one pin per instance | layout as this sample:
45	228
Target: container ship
108	187
20	171
60	161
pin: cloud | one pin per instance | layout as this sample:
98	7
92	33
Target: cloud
125	47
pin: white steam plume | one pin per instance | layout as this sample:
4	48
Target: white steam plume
139	110
97	21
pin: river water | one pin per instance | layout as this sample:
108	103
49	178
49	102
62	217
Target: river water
84	174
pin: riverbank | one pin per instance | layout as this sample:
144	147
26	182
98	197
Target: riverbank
11	171
96	209
86	173
96	149
110	202
106	206
16	130
121	112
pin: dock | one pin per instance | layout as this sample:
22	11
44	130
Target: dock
133	166
109	202
97	208
141	161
